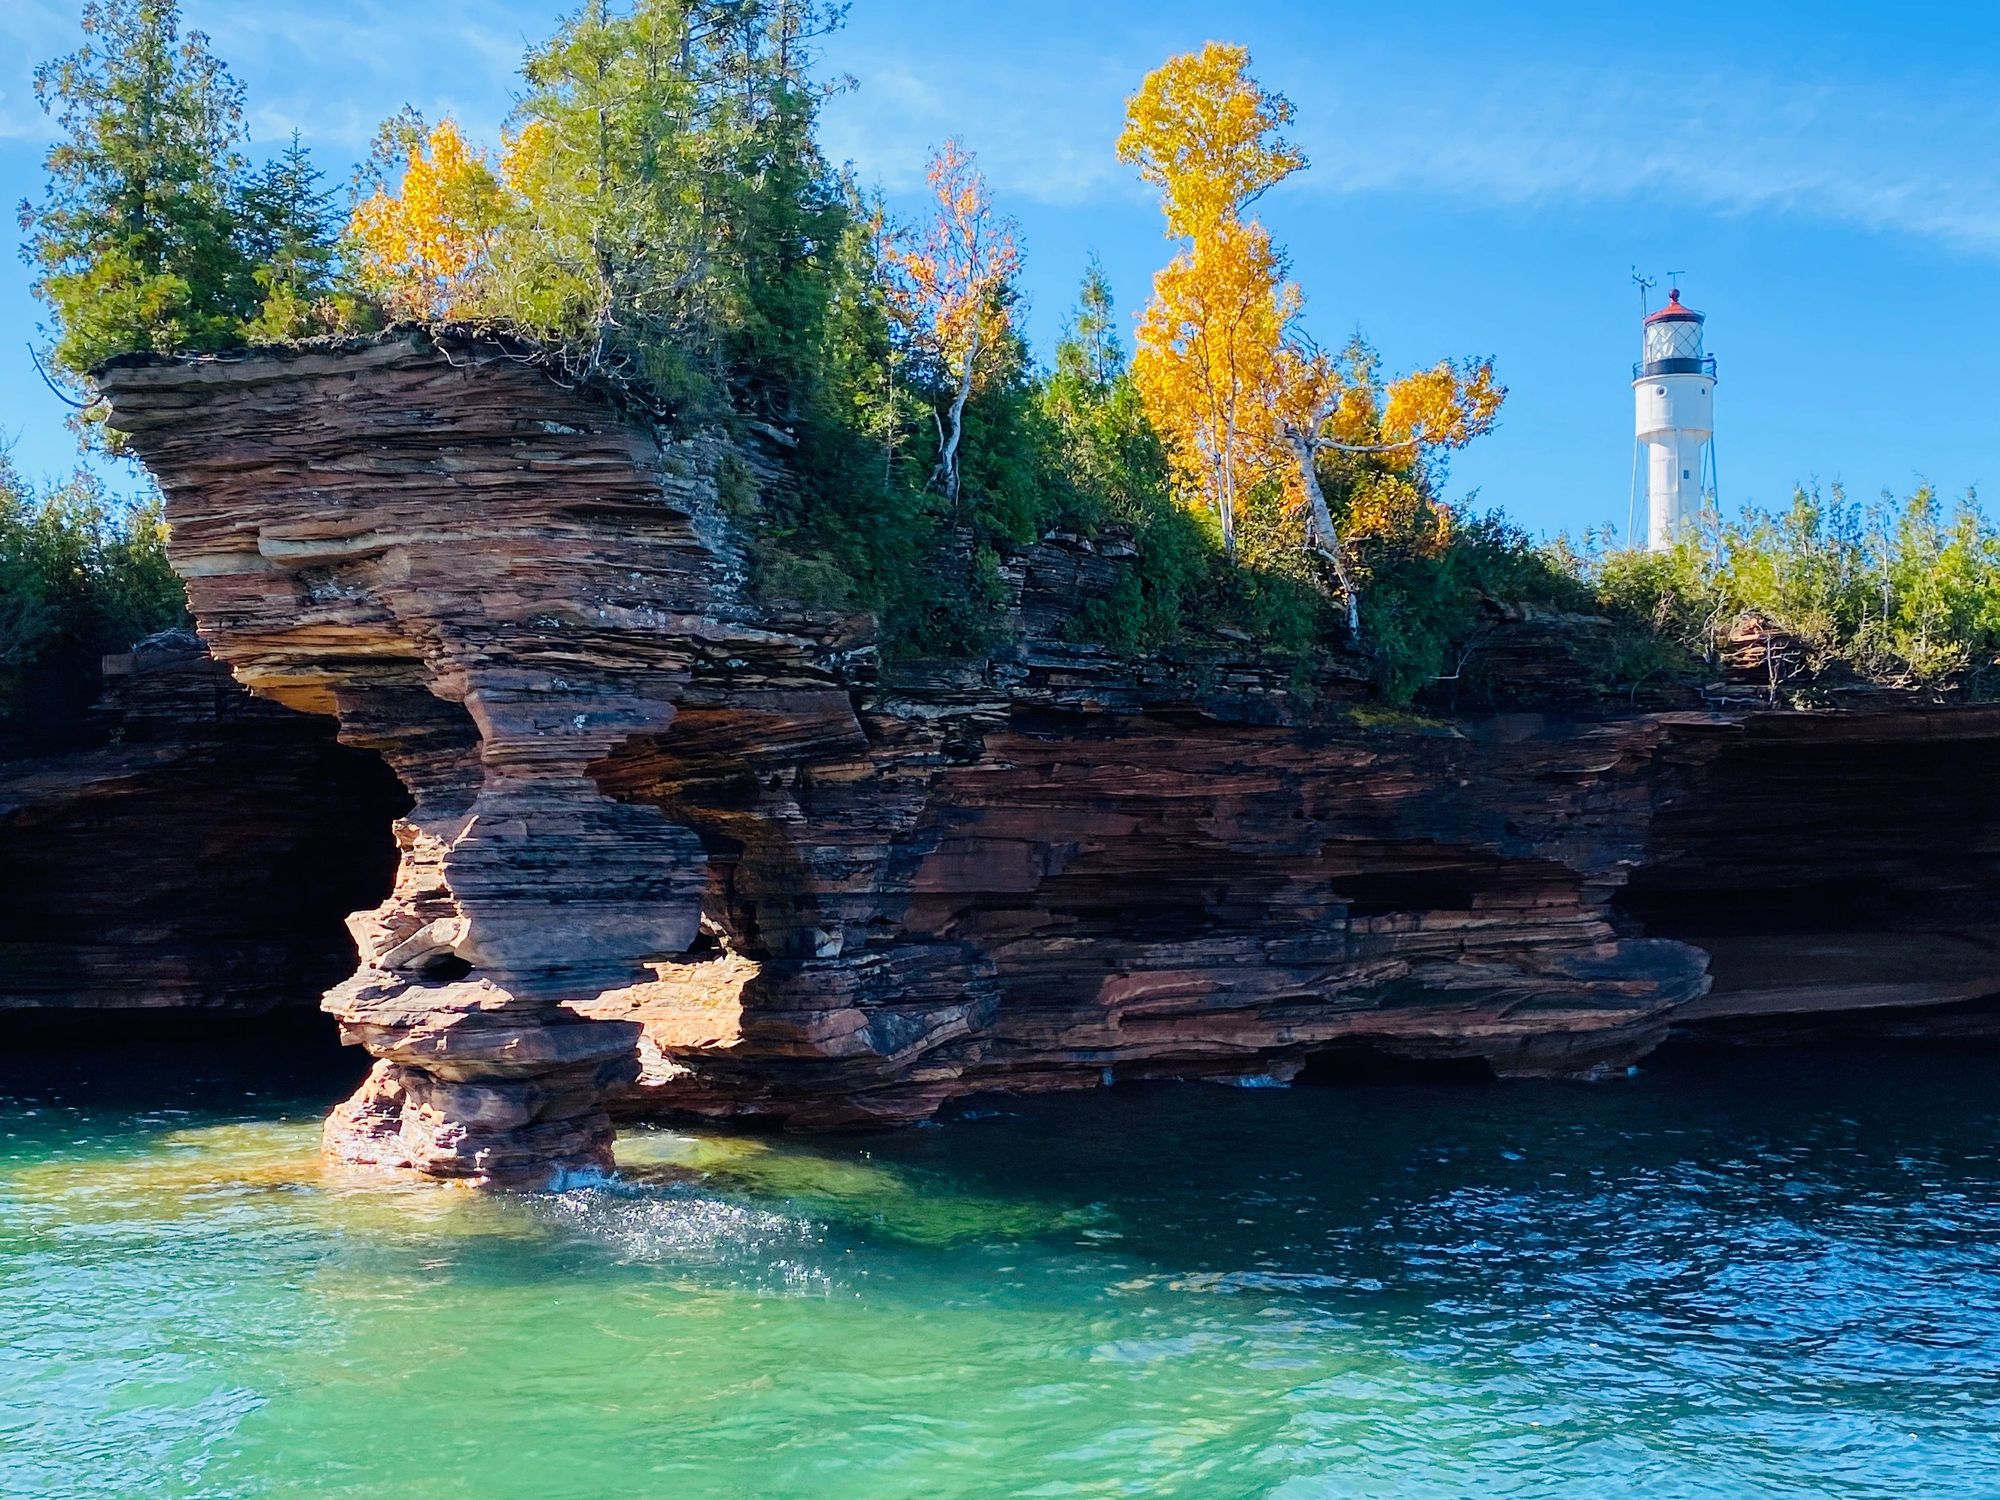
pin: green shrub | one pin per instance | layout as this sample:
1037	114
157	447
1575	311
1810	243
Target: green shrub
81	575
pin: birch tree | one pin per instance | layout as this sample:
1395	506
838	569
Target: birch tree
1321	408
424	248
952	294
1207	362
1211	139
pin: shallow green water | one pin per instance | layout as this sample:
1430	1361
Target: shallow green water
1762	1275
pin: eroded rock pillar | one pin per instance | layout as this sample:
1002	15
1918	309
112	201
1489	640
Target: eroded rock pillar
535	897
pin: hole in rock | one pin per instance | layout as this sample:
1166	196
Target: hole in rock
191	879
1842	887
445	968
1351	1064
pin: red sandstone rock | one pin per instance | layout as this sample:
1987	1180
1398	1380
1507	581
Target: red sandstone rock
832	896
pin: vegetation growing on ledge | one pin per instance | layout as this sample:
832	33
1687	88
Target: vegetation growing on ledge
155	232
1904	592
81	575
658	216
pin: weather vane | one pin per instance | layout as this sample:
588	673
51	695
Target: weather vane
1645	284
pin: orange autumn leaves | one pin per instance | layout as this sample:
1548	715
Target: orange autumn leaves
1240	397
951	291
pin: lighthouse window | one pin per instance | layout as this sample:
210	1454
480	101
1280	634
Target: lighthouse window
1685	474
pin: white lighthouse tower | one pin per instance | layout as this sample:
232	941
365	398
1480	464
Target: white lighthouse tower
1674	389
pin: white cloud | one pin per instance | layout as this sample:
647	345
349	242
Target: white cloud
1042	124
1886	157
1908	156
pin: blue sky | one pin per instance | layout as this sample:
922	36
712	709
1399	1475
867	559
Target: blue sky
1484	177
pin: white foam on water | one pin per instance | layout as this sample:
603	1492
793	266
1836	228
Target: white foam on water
698	1231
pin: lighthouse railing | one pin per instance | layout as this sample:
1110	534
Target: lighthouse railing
1646	369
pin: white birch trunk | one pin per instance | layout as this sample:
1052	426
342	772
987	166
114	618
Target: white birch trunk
1320	531
955	428
1226	493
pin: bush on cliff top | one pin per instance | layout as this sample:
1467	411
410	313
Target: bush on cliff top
81	575
1904	592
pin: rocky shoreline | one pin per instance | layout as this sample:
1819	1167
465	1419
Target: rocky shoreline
679	849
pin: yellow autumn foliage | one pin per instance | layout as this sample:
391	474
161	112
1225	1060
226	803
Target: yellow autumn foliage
1239	398
1208	357
1446	406
422	248
1208	136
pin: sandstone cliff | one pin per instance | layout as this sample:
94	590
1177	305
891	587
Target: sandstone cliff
676	847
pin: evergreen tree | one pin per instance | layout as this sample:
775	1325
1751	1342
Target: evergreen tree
1113	459
675	219
784	213
135	242
1091	353
286	225
82	573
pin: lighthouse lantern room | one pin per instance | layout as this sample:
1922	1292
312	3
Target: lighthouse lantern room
1674	387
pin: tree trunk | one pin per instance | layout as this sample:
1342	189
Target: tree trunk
1225	494
947	466
1321	534
889	448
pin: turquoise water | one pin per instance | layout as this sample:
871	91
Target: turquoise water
1755	1275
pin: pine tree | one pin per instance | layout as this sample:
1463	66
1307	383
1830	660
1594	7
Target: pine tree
135	241
286	225
1091	351
782	212
676	224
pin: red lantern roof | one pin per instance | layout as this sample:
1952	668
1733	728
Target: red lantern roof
1673	312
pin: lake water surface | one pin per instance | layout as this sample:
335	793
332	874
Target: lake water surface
1757	1274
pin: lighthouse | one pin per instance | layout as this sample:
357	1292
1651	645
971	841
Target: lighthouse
1673	386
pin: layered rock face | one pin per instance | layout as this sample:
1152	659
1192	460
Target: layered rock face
1083	895
679	848
194	868
493	584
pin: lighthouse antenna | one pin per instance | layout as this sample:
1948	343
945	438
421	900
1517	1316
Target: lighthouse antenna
1645	284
